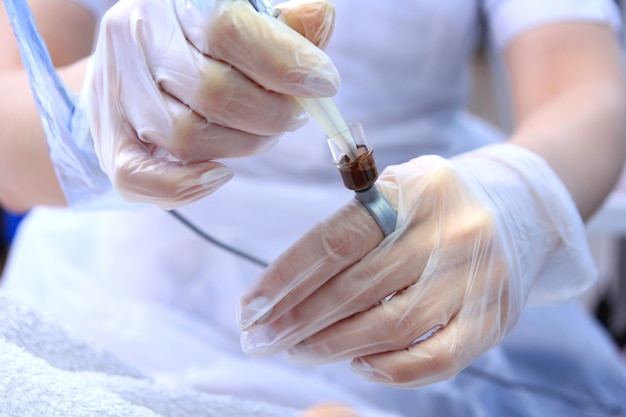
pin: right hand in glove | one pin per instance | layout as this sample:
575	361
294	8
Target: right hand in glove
175	84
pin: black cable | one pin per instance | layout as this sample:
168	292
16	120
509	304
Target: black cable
216	242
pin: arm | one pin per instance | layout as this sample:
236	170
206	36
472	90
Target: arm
569	98
26	173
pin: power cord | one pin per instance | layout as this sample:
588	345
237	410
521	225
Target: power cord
214	241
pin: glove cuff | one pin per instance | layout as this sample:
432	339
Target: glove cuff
563	264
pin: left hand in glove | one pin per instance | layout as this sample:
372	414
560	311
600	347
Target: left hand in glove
477	236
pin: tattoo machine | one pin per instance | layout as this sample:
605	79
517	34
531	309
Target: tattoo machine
351	153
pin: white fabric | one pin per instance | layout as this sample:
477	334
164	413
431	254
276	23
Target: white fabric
508	18
158	296
46	370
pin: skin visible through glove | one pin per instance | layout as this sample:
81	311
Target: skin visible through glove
360	173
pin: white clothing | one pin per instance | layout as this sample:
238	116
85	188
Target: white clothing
144	286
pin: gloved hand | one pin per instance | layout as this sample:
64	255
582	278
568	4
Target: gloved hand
477	236
175	84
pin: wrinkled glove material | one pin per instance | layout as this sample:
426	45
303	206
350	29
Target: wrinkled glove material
479	236
172	87
211	80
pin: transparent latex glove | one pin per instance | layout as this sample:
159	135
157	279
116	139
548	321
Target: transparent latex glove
477	237
175	84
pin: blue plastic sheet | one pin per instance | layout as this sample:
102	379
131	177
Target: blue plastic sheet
70	143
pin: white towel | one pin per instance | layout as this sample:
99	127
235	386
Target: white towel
46	371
